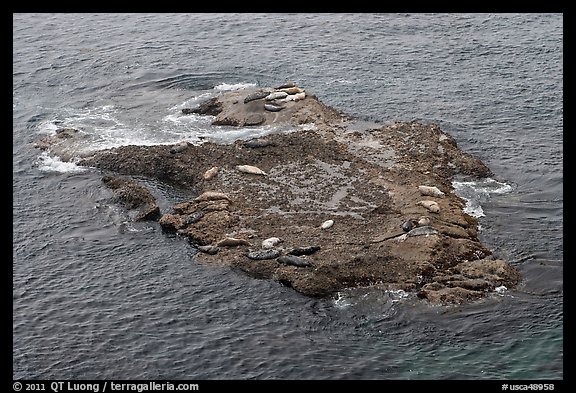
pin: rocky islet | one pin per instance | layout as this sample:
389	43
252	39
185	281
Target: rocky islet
353	206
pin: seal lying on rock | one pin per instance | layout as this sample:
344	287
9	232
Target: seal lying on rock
256	95
430	191
294	261
212	196
211	173
232	242
211	250
304	250
273	108
250	169
271	242
263	254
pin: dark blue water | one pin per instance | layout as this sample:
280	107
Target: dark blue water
96	295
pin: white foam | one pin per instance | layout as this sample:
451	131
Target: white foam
341	302
233	86
48	163
475	193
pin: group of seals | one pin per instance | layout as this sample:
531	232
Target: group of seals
279	95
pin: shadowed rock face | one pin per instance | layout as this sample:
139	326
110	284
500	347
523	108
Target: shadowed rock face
365	180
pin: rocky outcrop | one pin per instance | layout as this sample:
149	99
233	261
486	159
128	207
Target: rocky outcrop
397	222
134	196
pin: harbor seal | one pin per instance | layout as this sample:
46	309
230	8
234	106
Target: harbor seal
431	191
304	250
294	261
432	206
250	169
291	90
232	242
179	147
327	224
423	221
211	173
211	250
286	85
273	108
276	95
194	218
256	95
212	196
408	225
263	254
271	242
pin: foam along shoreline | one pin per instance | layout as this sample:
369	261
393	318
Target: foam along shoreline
366	182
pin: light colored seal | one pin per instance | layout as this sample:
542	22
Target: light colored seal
423	221
291	90
431	191
294	261
250	169
286	85
432	206
276	95
232	242
327	224
271	242
211	173
212	250
212	196
179	147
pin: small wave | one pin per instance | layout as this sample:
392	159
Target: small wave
368	297
475	193
48	163
233	86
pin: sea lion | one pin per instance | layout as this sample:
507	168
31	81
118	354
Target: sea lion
250	169
263	254
294	261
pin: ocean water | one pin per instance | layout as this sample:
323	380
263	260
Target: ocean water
97	296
